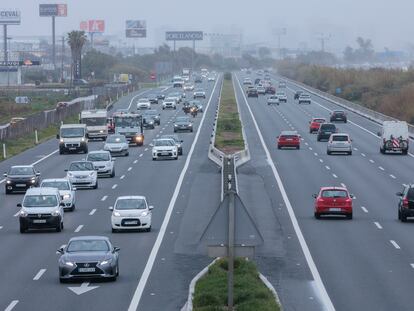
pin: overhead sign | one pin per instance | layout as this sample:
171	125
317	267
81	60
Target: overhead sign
136	29
9	17
60	10
183	35
94	25
16	63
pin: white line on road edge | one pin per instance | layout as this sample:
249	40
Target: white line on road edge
312	266
122	177
146	149
334	175
378	225
114	186
92	212
343	185
327	167
320	160
392	176
141	155
315	154
363	154
135	162
381	168
412	265
151	259
104	198
364	209
395	244
11	305
372	161
79	228
129	169
39	274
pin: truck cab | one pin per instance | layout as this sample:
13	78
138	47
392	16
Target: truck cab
394	137
131	126
73	138
96	123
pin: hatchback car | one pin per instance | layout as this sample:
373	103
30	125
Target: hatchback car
199	93
164	148
117	145
178	142
282	96
406	203
41	208
315	123
261	90
169	103
102	162
66	191
19	178
305	99
131	213
333	201
339	142
338	115
143	103
273	100
325	131
289	139
252	93
183	124
82	174
88	257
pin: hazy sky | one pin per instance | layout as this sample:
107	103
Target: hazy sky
387	23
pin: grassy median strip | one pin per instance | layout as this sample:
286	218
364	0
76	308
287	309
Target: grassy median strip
16	146
250	294
229	137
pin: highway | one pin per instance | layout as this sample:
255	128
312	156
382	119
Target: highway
150	263
363	264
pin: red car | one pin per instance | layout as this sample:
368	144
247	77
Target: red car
315	123
333	201
288	139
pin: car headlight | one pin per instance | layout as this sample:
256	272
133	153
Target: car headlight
56	213
23	214
92	174
143	214
101	131
138	138
69	263
175	125
62	141
33	180
66	196
82	139
116	214
70	175
8	182
105	262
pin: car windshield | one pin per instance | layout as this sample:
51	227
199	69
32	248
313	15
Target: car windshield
126	121
81	166
151	112
199	90
143	100
87	246
113	139
40	201
94	157
340	138
305	95
328	127
288	136
60	185
124	204
21	171
273	97
170	137
182	119
72	132
319	120
94	121
164	142
410	194
334	194
280	94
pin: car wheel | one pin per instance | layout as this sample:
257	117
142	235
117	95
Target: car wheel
403	217
96	185
127	154
350	153
310	131
345	121
153	159
180	152
113	173
62	280
328	152
349	216
298	147
114	230
382	151
59	227
72	208
399	214
22	229
85	150
405	152
148	229
318	139
279	147
7	191
317	215
61	151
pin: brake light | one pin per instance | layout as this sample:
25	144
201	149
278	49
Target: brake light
405	203
349	200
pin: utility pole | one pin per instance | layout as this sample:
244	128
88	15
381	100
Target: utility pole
279	33
53	43
323	38
63	58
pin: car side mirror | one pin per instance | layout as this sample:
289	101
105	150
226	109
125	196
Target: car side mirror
37	173
116	249
151	207
19	205
5	174
66	170
399	194
111	208
314	195
181	141
379	133
57	136
62	204
151	145
60	251
352	196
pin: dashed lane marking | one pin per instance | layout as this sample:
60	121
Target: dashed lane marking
114	186
11	305
92	212
378	225
79	228
39	274
395	244
364	209
104	198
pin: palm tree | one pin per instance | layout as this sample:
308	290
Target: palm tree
76	40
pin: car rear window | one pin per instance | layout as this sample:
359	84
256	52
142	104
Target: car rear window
410	194
339	112
288	136
328	127
319	120
334	194
340	138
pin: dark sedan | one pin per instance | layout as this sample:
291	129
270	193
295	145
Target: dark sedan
160	96
183	124
252	93
21	177
88	257
153	98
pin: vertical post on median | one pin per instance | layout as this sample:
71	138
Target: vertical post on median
4	151
230	244
36	138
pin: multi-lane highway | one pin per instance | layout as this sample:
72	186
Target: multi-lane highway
151	264
362	264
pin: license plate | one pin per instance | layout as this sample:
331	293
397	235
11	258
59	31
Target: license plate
289	139
86	269
39	221
165	153
134	222
20	185
72	148
335	209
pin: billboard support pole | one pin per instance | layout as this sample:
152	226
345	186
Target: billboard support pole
5	42
91	34
192	57
54	42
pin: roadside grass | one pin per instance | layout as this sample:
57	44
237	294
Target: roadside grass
16	146
229	137
250	294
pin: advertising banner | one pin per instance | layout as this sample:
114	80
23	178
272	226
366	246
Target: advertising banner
9	17
136	29
183	35
93	25
60	10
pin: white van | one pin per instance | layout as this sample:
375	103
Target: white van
394	137
73	137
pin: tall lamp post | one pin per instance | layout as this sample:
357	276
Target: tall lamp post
7	59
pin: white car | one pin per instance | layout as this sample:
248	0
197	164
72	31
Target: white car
273	100
199	93
178	97
117	145
82	174
103	162
131	213
339	142
211	79
188	87
261	90
305	99
164	148
66	191
169	103
282	96
143	103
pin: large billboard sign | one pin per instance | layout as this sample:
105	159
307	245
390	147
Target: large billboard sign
60	10
136	29
94	25
9	17
183	35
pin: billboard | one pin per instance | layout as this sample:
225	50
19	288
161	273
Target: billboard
60	10
183	35
136	29
9	17
93	25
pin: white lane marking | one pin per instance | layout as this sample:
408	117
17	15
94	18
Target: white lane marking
363	154
356	149
146	149
320	160
1	227
405	185
133	98
306	144
79	228
135	162
315	154
334	176
327	167
395	244
104	198
378	225
92	212
364	209
114	186
11	305
310	148
325	299
392	176
39	274
141	155
412	265
381	168
151	259
122	177
129	169
372	161
17	214
343	185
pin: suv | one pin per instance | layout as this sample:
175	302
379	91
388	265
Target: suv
169	103
73	137
102	162
325	131
339	143
41	208
406	203
305	99
282	96
338	115
143	103
21	178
